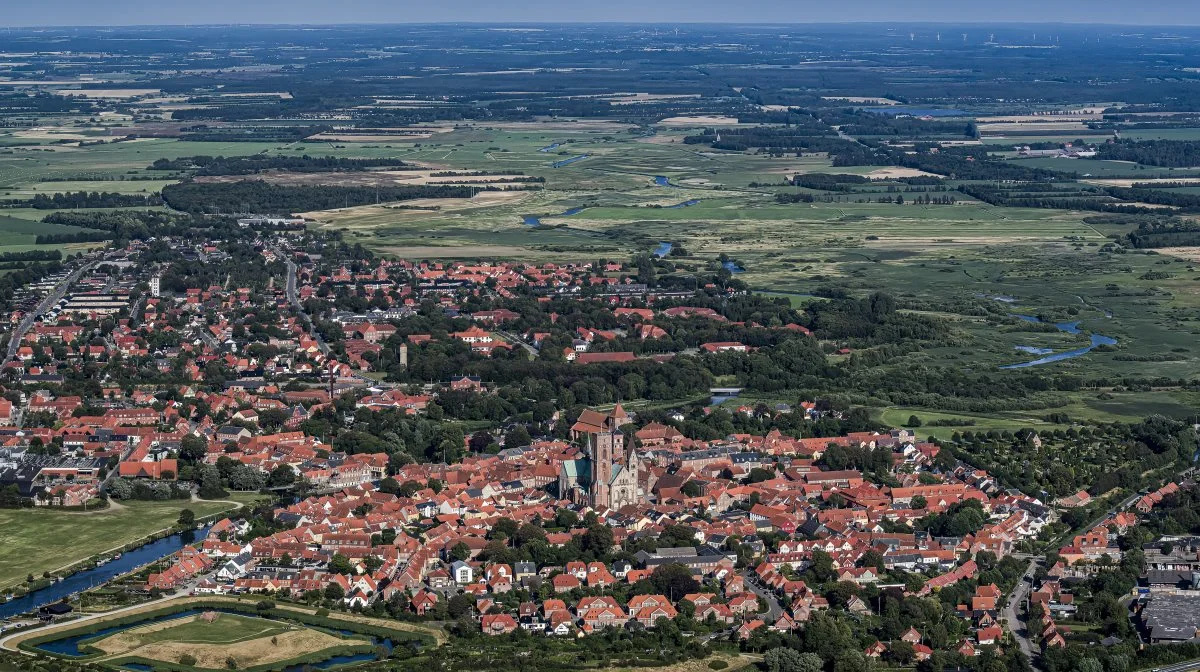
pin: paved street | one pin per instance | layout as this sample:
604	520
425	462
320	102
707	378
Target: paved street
775	609
60	290
1012	613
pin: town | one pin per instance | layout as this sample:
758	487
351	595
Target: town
574	337
422	471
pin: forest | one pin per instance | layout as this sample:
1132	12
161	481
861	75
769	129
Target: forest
83	199
255	196
248	165
1161	153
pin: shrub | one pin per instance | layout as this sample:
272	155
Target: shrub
717	665
187	659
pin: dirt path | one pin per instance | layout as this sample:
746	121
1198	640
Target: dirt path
113	505
12	642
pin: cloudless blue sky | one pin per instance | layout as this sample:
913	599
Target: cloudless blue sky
161	12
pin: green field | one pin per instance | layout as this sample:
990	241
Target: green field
41	540
226	629
942	257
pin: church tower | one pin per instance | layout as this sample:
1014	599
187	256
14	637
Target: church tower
602	436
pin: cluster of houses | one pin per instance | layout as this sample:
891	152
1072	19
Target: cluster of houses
432	544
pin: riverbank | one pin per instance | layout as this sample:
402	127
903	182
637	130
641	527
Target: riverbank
13	642
64	542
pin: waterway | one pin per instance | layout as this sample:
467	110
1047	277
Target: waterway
663	249
663	181
536	220
685	204
566	162
91	578
734	267
1051	356
551	148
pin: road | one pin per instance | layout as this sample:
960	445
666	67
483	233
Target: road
181	592
516	340
294	299
1185	666
60	290
775	610
1019	627
1012	612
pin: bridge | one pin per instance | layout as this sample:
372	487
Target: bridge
725	391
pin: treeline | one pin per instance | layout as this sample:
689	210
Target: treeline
858	122
281	134
1155	231
794	198
248	165
771	139
32	255
975	165
124	225
22	277
1040	195
829	181
966	163
84	199
1162	153
263	198
1157	197
81	237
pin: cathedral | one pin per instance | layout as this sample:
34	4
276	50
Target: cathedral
608	477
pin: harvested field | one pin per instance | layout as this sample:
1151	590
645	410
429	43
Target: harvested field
1118	182
1057	126
375	215
1189	253
108	93
372	178
1040	118
699	121
860	100
366	137
893	173
458	252
248	652
578	125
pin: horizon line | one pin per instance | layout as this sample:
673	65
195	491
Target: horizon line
519	22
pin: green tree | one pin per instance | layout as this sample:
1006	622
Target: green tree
460	605
460	552
187	518
598	539
782	660
673	580
340	564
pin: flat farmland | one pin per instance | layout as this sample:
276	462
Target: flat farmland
32	539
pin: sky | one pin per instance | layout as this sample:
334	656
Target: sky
18	13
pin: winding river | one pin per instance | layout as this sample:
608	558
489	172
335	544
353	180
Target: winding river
566	162
536	220
1051	356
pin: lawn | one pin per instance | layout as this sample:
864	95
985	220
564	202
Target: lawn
250	640
41	540
226	629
